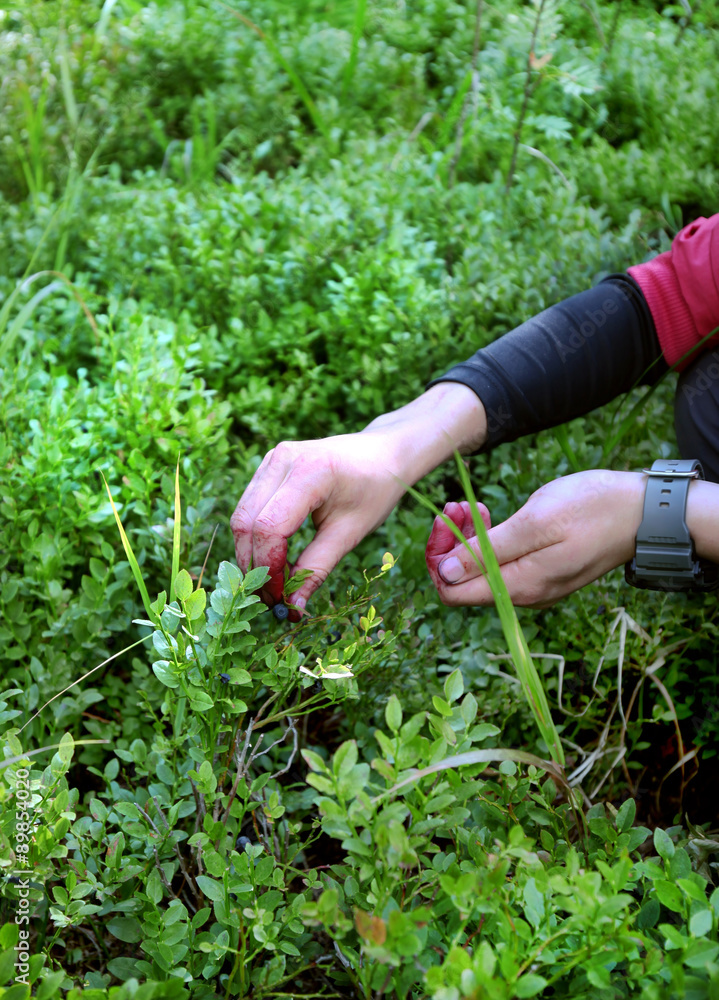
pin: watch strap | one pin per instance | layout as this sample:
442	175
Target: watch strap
665	558
664	544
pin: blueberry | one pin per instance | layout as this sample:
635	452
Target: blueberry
280	611
601	610
241	843
333	638
225	678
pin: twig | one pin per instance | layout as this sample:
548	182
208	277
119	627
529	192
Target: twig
525	100
424	120
181	860
240	772
207	556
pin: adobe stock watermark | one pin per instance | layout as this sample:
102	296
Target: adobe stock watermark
23	831
700	378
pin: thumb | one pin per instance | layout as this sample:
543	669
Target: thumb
443	544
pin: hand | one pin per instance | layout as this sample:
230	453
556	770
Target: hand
349	484
570	532
346	483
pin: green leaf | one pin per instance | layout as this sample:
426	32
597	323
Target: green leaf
529	985
162	669
663	844
195	604
700	954
182	586
454	686
126	928
153	886
636	837
468	709
200	701
314	761
625	816
229	577
210	888
669	895
441	706
49	985
700	923
255	579
238	675
124	968
66	748
345	758
393	713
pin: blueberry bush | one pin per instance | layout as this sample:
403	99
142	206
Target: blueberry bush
229	224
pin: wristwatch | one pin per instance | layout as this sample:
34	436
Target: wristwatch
665	558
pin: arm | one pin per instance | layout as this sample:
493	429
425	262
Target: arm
571	358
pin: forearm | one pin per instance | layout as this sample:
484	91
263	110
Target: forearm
569	359
426	432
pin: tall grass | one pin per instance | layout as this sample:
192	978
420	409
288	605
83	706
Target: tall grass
488	564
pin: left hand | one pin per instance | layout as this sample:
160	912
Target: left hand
570	532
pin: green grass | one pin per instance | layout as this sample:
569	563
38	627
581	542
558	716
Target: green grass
222	227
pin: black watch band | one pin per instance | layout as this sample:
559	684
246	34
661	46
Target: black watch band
665	558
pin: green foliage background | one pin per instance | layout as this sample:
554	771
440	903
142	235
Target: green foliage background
281	224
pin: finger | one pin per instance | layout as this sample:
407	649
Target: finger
281	517
518	536
331	543
532	581
268	477
442	539
459	563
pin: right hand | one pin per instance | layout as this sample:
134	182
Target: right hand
347	483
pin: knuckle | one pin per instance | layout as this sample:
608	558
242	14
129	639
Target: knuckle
281	452
264	525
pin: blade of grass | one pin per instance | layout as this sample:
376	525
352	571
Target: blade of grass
176	533
357	29
134	565
24	315
295	80
9	338
562	435
51	746
80	679
489	756
521	657
519	651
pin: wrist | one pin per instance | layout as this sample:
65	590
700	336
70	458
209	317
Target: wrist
426	432
702	517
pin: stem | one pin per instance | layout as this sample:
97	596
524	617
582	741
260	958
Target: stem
525	100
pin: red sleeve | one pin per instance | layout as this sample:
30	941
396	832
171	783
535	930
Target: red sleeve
681	287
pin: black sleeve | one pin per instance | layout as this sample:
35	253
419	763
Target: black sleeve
569	359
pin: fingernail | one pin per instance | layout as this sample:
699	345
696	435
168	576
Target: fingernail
451	570
300	603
